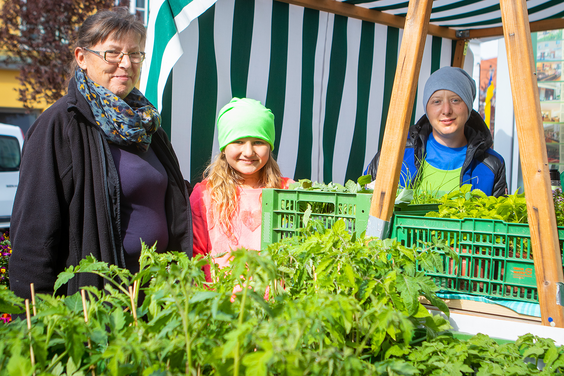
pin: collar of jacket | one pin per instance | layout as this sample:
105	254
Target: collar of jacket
76	102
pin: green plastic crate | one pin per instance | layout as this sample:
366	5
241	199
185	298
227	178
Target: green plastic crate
283	211
495	257
416	209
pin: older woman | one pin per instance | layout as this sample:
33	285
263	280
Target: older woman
98	174
450	145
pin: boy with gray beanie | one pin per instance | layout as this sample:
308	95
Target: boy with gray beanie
450	145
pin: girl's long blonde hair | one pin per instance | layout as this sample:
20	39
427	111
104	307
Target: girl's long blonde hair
224	182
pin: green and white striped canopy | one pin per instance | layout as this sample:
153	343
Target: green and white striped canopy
327	77
466	14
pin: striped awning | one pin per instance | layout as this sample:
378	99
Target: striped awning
466	14
449	18
324	67
453	19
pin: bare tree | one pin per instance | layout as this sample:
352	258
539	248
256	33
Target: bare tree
37	36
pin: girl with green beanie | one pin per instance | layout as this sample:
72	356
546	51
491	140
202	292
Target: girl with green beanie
226	205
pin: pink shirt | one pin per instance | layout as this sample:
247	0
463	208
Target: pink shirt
208	234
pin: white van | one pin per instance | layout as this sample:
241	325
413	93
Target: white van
11	143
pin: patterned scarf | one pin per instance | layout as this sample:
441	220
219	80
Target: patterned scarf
132	120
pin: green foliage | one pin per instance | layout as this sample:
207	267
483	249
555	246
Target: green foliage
37	37
349	187
325	207
422	196
321	303
558	198
377	279
483	356
468	203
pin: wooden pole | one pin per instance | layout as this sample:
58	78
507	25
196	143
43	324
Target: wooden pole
28	318
459	53
133	306
32	288
399	116
85	310
534	162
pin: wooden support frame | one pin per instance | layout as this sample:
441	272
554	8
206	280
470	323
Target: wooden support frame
534	27
516	29
460	53
399	115
365	14
534	162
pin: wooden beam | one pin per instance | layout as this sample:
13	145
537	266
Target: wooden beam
399	116
459	53
534	161
553	24
365	14
371	15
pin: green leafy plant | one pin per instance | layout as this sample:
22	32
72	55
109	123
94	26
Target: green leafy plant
185	326
324	207
481	355
349	187
321	303
468	203
425	196
379	274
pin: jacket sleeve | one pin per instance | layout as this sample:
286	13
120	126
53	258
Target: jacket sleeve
200	225
188	187
500	182
372	168
38	219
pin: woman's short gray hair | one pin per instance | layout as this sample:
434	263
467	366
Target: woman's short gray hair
117	23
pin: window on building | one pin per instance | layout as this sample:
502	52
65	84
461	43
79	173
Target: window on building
141	8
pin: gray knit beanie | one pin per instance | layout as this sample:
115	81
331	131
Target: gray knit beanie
453	79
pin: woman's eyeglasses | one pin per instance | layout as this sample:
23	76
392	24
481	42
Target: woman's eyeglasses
115	57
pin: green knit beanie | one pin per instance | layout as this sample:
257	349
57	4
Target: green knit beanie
244	117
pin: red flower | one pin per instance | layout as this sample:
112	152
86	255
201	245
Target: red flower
6	317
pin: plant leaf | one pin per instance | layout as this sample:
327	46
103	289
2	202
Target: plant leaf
64	277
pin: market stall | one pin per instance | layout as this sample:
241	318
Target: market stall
326	69
321	299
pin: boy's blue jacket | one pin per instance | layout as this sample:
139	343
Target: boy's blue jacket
483	167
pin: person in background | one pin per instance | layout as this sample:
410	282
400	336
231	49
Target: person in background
450	145
226	205
98	173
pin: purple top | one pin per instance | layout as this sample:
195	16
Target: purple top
143	181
